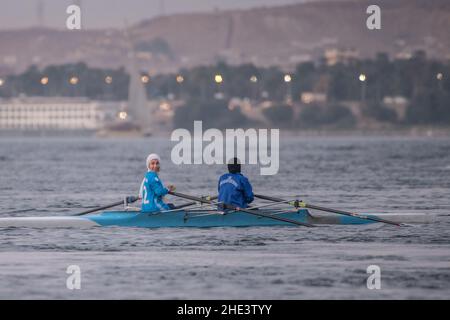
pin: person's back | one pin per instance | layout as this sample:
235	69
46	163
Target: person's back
234	188
152	193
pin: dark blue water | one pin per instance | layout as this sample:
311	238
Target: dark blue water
59	176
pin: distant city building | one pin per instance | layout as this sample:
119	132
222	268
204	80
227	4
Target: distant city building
403	55
300	58
9	61
162	112
313	97
250	110
37	113
334	56
399	104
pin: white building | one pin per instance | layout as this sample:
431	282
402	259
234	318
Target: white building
38	113
334	56
313	97
399	104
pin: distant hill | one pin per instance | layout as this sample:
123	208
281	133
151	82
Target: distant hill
264	36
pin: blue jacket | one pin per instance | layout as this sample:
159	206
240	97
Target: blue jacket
152	192
235	189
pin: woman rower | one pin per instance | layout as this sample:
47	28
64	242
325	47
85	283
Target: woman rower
152	189
234	187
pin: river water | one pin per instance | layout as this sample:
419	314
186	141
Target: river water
60	176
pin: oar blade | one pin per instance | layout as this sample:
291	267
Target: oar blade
351	214
346	213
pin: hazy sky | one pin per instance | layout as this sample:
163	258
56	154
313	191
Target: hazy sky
111	13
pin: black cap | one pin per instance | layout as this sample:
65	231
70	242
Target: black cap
234	166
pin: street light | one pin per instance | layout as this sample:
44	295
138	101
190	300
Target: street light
44	81
145	79
254	88
218	94
218	78
108	79
123	115
288	80
2	82
362	77
180	78
439	77
73	80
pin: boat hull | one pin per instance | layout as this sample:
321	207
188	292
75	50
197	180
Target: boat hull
196	219
182	218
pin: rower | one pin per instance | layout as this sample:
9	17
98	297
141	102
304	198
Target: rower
152	189
234	187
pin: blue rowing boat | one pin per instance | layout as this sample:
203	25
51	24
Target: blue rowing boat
210	218
200	218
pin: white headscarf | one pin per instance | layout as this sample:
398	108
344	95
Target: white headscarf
152	156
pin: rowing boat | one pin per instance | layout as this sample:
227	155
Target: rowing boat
198	218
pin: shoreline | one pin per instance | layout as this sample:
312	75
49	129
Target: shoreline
424	132
416	131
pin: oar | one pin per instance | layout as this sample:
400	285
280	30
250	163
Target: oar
256	213
302	204
184	205
17	211
127	200
188	204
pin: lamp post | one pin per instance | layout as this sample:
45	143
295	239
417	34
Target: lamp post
44	81
439	78
74	82
362	79
108	92
254	81
288	81
218	79
180	80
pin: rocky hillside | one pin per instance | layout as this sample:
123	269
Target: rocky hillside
265	36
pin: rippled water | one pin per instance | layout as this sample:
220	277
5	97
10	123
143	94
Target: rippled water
59	176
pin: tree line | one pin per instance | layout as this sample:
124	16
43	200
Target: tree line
425	83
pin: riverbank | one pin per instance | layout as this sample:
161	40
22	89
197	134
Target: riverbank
415	131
